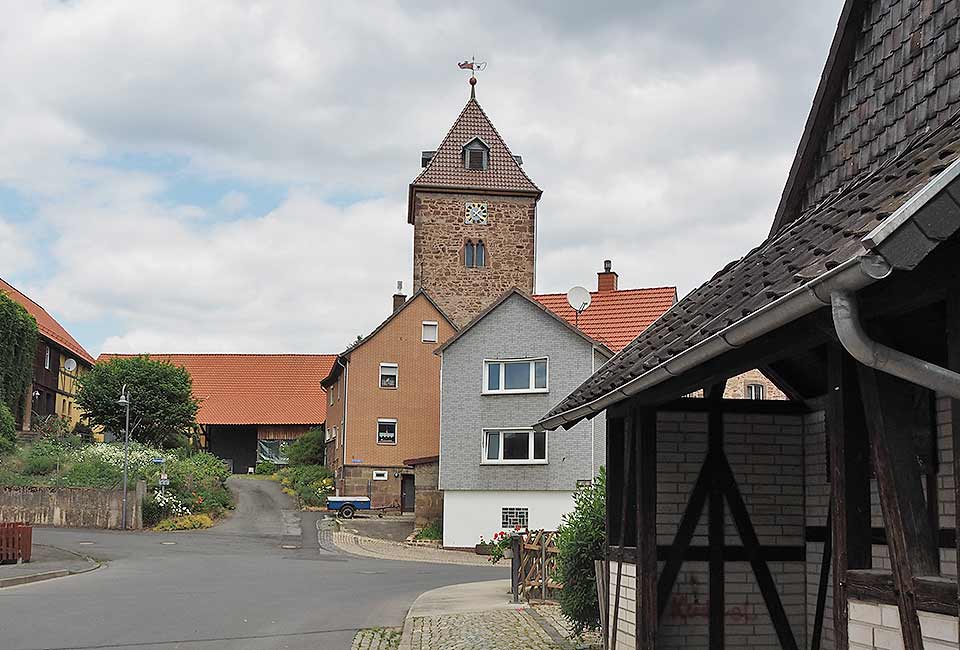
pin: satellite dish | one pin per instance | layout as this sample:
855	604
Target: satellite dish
70	365
579	299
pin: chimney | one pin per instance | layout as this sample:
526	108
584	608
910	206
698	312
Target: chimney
607	281
398	297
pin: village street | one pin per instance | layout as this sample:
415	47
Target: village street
233	586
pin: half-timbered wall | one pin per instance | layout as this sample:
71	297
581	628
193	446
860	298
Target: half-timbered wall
817	502
766	455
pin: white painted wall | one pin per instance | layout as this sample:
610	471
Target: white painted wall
468	514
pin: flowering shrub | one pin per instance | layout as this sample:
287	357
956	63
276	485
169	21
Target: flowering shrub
140	461
310	483
186	522
499	543
170	503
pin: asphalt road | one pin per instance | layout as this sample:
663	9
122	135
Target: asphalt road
232	587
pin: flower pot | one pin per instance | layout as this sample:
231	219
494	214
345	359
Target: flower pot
482	549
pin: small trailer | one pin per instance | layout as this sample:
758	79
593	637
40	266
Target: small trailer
346	507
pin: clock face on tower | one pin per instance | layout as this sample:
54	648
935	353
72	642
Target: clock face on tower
476	213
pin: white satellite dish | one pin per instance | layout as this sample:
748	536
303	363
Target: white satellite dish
579	299
70	365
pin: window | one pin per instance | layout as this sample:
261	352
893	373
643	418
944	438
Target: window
331	434
330	396
476	155
468	255
386	432
46	359
429	332
515	376
514	446
388	375
379	475
754	391
513	517
481	255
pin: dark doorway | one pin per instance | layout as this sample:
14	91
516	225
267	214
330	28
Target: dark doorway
407	493
236	444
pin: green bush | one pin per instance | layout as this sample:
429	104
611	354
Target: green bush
8	429
186	522
311	483
581	538
153	512
93	472
44	456
308	449
265	467
432	531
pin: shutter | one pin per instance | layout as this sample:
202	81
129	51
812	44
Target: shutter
475	159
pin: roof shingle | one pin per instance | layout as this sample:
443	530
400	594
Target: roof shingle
821	239
47	324
254	388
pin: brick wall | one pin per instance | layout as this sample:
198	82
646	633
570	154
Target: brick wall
766	455
438	240
736	387
874	626
358	481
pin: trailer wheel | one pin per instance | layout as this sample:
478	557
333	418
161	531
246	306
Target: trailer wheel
347	511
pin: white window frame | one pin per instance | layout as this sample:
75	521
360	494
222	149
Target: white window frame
529	460
423	331
750	389
396	376
380	475
331	434
503	371
392	421
46	359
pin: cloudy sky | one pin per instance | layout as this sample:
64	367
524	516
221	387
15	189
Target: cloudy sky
232	176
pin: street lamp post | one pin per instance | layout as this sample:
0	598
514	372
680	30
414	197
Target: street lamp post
125	401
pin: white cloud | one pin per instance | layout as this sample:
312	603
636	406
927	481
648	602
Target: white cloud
15	250
660	132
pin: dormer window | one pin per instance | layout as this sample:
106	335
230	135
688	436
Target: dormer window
476	155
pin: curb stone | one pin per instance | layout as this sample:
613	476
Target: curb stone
40	576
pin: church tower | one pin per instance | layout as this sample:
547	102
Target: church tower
473	211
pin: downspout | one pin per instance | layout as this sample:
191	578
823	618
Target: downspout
873	354
343	428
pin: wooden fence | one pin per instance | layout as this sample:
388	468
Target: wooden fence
538	565
16	543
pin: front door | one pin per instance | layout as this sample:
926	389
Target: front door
407	494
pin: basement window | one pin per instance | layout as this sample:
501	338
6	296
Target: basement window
514	517
379	475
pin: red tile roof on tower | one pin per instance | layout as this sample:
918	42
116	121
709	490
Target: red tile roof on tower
614	317
254	388
47	324
446	169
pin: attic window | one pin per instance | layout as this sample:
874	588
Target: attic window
476	155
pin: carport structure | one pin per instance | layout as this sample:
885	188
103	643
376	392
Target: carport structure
252	404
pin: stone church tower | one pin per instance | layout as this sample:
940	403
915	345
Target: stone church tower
473	211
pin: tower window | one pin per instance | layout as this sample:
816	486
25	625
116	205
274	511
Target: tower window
474	255
476	155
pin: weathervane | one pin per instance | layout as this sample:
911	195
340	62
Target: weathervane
474	68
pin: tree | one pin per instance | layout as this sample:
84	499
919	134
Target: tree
162	405
18	346
308	449
8	429
581	537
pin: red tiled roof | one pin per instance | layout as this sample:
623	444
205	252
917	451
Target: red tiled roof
446	168
254	388
47	324
614	317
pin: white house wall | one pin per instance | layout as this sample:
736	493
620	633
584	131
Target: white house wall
468	514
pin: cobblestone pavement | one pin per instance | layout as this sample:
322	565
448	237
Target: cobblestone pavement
552	615
377	638
488	630
387	550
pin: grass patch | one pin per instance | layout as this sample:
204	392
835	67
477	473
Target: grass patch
433	531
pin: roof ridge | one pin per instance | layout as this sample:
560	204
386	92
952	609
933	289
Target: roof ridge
614	291
219	354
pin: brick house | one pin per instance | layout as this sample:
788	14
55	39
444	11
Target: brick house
829	521
383	403
252	405
59	360
495	472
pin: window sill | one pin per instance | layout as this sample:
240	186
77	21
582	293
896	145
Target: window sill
389	387
387	444
514	462
527	391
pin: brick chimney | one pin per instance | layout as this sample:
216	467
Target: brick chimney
607	280
399	298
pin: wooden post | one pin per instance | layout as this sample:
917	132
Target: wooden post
850	483
645	433
715	530
953	362
543	565
627	425
909	538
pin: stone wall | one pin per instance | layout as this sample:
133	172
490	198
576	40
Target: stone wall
358	482
429	499
72	507
438	241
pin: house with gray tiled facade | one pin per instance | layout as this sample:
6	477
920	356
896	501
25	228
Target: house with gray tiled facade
510	362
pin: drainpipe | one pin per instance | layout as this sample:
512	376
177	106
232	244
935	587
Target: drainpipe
846	320
343	428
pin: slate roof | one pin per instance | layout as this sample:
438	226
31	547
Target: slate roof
446	168
47	324
614	317
821	239
254	388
